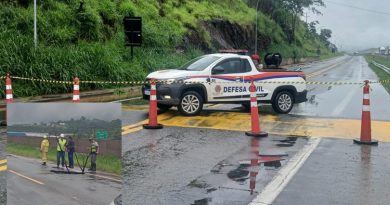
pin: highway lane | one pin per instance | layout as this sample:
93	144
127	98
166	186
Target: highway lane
339	172
3	167
345	101
165	166
176	166
32	184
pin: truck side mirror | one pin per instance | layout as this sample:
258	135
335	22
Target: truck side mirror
218	70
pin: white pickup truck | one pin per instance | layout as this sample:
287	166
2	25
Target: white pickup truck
224	78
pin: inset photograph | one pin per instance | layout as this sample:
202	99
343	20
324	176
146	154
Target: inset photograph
3	166
64	153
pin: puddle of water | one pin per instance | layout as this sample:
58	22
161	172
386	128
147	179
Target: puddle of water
239	174
198	184
204	201
275	164
285	144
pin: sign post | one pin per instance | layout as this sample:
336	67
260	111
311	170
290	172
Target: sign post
133	32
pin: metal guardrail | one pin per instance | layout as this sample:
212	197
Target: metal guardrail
383	67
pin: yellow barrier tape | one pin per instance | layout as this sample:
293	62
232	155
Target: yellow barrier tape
42	80
197	82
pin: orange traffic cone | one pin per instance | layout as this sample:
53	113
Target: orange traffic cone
365	132
76	89
254	152
153	109
256	131
8	90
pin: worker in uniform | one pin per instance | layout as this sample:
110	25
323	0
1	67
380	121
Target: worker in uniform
70	150
44	149
94	150
61	142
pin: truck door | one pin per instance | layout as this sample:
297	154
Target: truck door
226	80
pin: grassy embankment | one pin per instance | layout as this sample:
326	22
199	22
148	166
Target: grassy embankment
382	75
88	40
105	163
331	55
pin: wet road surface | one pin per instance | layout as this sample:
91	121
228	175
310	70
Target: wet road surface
3	167
339	172
191	159
345	101
194	166
39	186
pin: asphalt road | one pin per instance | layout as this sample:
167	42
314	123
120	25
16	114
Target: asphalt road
339	172
30	183
3	174
344	101
176	165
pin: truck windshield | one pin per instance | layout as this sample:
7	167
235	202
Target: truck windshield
199	63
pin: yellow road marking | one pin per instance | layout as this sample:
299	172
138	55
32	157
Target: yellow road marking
138	126
284	125
26	177
3	165
3	168
135	107
319	72
133	127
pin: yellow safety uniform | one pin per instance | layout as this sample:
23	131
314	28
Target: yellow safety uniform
44	149
61	145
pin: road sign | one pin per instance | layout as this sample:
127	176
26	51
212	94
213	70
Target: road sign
101	135
133	31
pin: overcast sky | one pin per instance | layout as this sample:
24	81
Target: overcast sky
28	113
354	28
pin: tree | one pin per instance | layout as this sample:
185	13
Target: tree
325	35
312	27
296	7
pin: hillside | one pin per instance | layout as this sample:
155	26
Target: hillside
85	38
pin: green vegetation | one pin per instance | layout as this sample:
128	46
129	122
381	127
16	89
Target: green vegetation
382	75
331	55
106	163
80	128
86	39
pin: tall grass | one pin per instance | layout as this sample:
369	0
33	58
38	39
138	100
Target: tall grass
88	41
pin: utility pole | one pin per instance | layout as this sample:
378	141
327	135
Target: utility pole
306	17
257	8
35	24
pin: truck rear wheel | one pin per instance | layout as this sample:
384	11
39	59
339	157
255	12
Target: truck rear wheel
283	102
191	103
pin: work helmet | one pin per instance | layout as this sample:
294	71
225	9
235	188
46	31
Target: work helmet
62	135
44	137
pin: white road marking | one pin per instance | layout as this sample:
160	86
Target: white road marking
104	177
26	177
346	100
280	181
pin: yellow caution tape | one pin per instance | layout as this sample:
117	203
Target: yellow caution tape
196	82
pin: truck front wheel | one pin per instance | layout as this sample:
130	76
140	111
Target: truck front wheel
283	102
191	103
